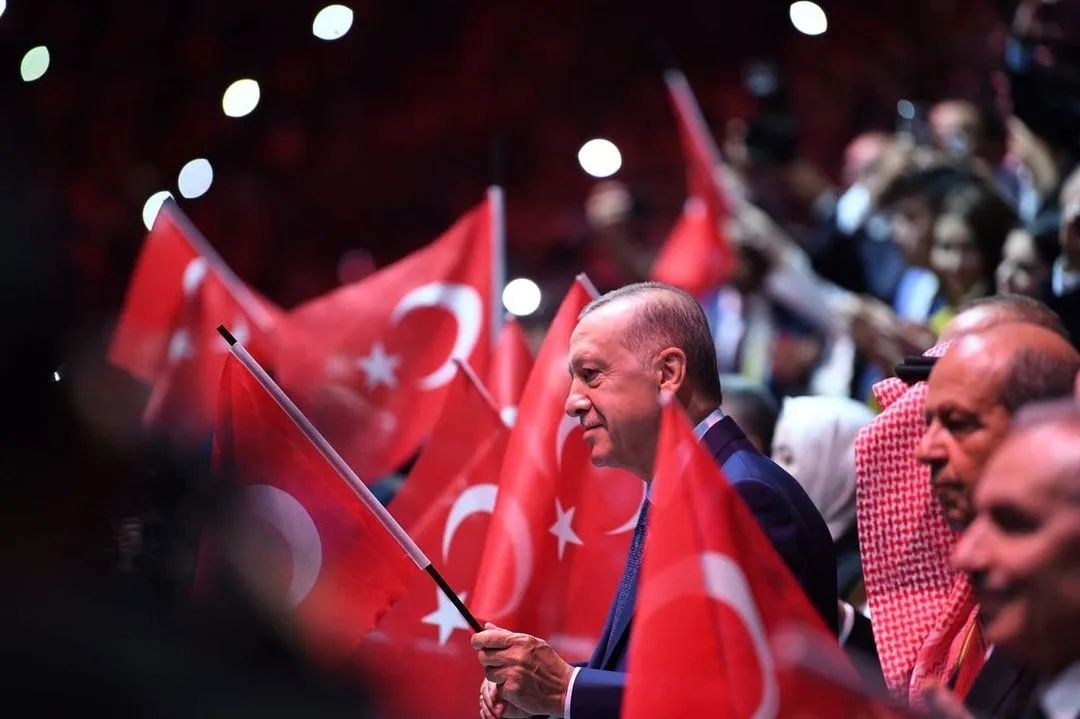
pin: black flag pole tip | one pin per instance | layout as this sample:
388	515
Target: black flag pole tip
226	334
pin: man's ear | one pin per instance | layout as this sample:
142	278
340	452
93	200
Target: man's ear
671	368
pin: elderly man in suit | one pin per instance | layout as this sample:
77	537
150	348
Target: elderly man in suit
1020	551
628	347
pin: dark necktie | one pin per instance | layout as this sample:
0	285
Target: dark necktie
628	585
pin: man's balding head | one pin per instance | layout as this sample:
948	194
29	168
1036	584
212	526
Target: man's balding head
974	390
986	312
666	316
1020	550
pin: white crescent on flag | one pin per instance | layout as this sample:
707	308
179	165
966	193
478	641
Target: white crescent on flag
281	510
725	583
515	523
464	303
475	499
194	274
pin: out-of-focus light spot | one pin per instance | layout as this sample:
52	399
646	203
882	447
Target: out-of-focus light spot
34	63
521	297
808	17
3	6
55	375
195	178
240	98
906	109
354	266
332	22
153	206
600	158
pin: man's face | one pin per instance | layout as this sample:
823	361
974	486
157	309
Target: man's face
613	392
964	423
1021	550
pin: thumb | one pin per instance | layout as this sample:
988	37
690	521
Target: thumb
491	625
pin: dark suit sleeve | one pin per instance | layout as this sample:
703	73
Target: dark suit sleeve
597	694
777	519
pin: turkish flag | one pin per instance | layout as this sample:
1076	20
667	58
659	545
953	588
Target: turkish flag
697	255
369	361
712	592
561	527
180	292
445	505
511	363
302	536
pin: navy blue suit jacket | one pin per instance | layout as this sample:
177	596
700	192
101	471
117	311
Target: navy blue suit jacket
788	518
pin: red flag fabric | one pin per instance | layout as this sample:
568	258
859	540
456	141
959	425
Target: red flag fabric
368	361
304	536
511	363
712	593
697	255
445	505
561	527
180	292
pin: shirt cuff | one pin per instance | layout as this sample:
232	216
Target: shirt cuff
847	621
569	690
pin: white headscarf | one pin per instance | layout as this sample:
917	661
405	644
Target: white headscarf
815	442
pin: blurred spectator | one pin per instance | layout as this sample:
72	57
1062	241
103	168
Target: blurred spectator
1062	289
815	443
967	240
753	408
1026	258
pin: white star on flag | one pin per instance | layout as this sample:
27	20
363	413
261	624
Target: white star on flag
180	346
379	367
562	527
447	618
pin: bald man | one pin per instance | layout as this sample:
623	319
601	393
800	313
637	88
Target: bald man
973	392
1021	554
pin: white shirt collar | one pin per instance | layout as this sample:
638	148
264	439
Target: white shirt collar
1060	699
706	424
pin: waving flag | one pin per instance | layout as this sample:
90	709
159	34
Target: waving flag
304	537
445	505
180	291
561	527
369	361
710	577
697	255
511	364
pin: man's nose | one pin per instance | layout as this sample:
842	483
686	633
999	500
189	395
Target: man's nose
577	404
968	555
930	450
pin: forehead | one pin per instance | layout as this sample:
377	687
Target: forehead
952	228
1011	475
968	376
602	330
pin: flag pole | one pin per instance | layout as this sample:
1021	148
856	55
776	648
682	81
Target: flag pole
497	204
345	472
681	92
236	287
587	284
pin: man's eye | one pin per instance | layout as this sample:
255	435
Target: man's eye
960	423
589	374
1014	521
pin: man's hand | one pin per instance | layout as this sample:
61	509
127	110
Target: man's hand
492	707
528	673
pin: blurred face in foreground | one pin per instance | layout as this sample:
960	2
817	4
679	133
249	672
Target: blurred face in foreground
613	391
1022	550
965	422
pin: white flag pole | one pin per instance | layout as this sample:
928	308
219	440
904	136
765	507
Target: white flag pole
345	472
497	204
235	285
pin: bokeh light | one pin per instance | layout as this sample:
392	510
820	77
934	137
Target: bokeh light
34	63
808	17
332	22
521	297
600	158
240	98
195	178
153	206
906	109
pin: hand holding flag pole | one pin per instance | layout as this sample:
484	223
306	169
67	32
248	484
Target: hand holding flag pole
347	475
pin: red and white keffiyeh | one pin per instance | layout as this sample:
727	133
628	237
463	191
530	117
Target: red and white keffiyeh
923	610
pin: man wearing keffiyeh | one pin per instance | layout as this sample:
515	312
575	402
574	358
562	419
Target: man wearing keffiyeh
923	611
